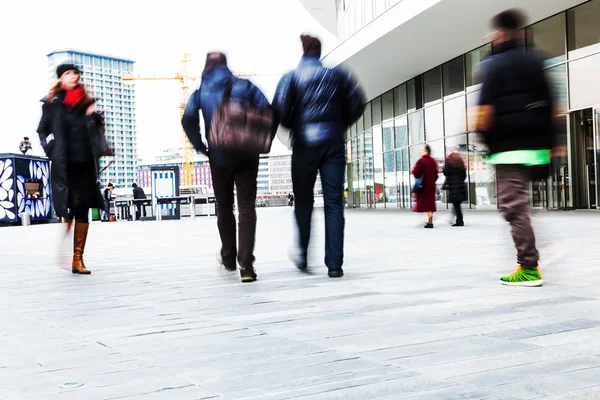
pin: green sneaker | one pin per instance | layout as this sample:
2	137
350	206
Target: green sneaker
524	277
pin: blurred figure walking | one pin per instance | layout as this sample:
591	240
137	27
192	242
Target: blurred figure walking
72	135
456	173
219	88
515	116
318	104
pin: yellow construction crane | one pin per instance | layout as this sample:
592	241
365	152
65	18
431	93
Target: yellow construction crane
187	166
184	79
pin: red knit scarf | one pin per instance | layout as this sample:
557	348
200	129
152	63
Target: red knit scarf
73	97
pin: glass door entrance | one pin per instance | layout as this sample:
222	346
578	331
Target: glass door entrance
584	146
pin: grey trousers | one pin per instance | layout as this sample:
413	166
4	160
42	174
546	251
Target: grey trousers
513	200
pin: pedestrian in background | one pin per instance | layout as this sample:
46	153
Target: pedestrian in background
318	104
455	172
426	170
72	135
515	117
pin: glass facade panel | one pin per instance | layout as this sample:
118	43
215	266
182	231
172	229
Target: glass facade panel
401	131
377	140
583	29
368	143
557	77
548	38
411	95
387	101
473	64
482	176
379	184
455	116
391	190
388	136
369	183
584	80
403	178
432	85
400	106
434	122
376	110
454	76
472	101
416	127
367	117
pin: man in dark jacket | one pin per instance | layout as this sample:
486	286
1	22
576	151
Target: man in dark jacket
107	198
138	194
516	118
227	168
318	105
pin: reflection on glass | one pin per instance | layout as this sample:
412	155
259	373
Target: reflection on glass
367	119
376	110
361	145
379	185
557	76
377	140
388	105
416	128
434	122
414	153
472	102
362	184
354	146
455	116
473	64
454	76
411	94
389	169
403	178
388	135
482	176
400	106
548	38
432	85
348	151
584	81
369	182
584	29
368	143
401	131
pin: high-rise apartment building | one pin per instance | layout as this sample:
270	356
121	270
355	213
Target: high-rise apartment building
101	75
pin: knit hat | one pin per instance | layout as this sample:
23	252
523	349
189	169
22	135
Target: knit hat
310	43
61	69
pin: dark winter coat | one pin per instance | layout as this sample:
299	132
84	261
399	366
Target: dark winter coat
318	104
425	199
54	131
207	99
456	173
516	86
138	193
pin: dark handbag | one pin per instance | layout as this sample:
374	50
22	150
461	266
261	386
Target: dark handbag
237	125
418	185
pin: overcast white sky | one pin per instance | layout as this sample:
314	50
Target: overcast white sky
257	35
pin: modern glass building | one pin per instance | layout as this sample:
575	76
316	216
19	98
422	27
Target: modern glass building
419	62
102	77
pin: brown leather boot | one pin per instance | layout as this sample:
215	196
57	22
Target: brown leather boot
81	232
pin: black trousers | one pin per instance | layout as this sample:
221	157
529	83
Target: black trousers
458	212
140	209
243	175
330	162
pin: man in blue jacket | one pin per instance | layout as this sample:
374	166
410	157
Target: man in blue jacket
318	105
227	168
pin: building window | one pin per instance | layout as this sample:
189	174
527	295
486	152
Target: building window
583	29
416	127
432	85
548	39
473	64
434	122
367	120
455	116
400	106
376	110
387	101
454	76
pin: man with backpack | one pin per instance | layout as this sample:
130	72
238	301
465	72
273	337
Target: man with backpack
515	116
227	104
318	105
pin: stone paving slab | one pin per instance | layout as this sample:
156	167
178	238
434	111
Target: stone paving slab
420	313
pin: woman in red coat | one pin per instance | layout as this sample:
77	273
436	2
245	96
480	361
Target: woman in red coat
425	199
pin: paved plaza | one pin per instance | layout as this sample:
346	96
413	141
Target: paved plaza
420	313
